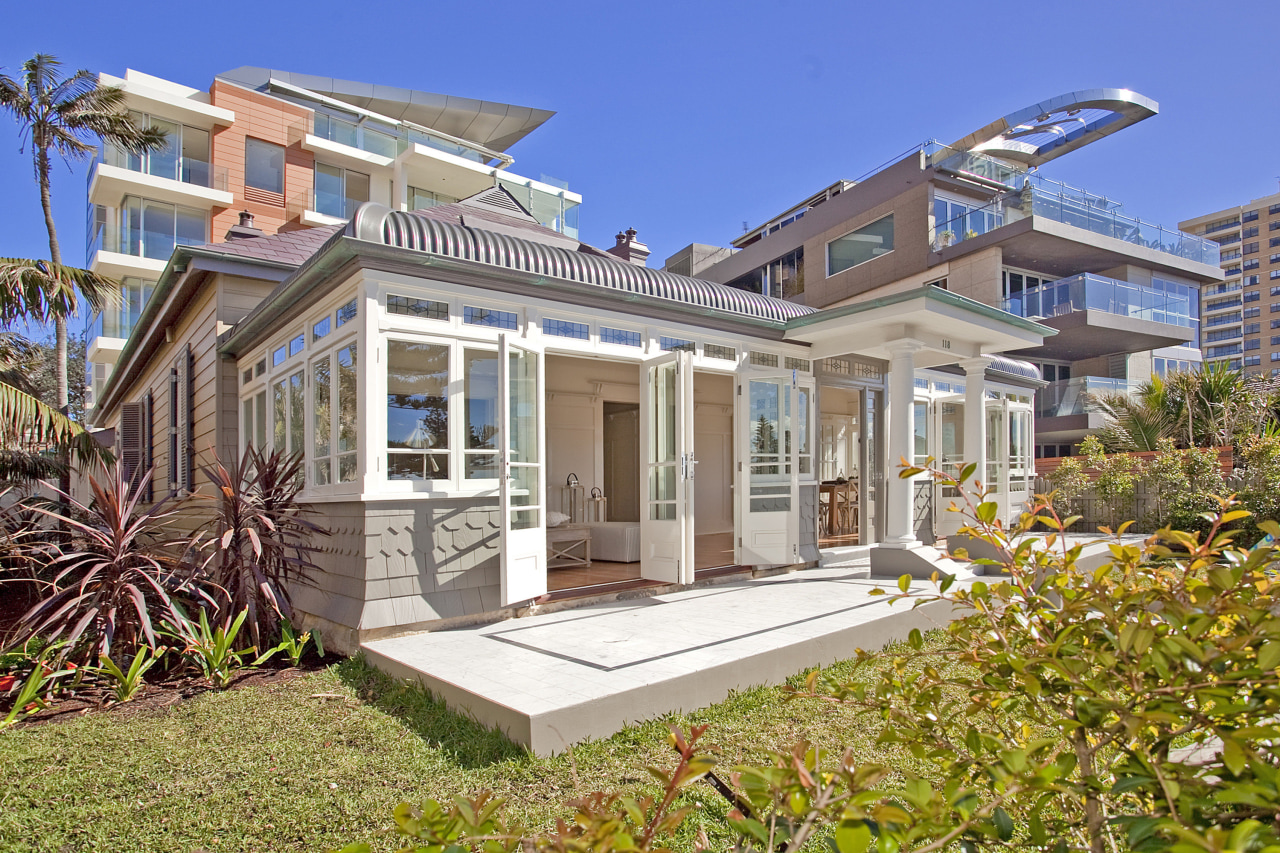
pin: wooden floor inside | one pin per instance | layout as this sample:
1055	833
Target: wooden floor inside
711	551
838	540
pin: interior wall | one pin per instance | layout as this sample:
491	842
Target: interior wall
622	460
577	389
713	448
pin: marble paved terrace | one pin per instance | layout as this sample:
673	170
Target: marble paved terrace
554	679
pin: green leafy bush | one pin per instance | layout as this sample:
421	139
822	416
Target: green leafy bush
1130	706
211	649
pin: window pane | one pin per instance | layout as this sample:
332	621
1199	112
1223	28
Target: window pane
860	246
347	387
480	390
297	413
620	337
328	190
321	424
190	227
417	410
347	312
357	188
157	230
260	421
163	161
263	165
279	419
489	317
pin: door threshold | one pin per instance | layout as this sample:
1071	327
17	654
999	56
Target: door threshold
596	589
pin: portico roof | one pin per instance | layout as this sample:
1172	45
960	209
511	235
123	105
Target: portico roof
948	327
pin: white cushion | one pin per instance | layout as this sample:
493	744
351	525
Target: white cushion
615	541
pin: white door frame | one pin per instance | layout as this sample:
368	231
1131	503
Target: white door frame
767	499
522	480
666	437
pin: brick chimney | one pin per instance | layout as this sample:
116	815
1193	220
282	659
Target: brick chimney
629	248
245	228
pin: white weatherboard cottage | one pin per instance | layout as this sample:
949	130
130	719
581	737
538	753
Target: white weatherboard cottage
444	377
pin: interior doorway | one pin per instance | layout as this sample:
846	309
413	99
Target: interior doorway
621	436
714	477
842	424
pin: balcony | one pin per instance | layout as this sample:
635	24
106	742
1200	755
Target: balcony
1226	225
315	207
163	176
1222	304
137	238
1223	320
1049	206
1070	398
1105	316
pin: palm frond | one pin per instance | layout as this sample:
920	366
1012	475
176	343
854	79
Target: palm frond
25	421
42	290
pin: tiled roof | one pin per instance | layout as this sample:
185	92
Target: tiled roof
287	247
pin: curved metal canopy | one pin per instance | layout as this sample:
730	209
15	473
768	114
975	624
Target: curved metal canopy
378	223
1047	130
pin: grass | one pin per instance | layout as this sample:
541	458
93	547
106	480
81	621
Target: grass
319	761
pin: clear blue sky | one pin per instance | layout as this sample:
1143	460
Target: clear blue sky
687	119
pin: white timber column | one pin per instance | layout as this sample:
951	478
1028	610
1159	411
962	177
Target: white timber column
899	506
975	418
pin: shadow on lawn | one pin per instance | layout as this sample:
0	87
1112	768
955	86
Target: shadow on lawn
467	743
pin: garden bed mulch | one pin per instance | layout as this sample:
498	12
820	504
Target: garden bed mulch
160	696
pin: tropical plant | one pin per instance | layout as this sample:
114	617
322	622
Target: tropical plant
261	539
120	574
292	644
1261	457
1140	421
63	116
212	649
29	427
32	693
126	683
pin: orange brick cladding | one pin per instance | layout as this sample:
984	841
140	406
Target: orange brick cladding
270	120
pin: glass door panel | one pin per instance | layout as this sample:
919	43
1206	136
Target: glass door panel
666	522
767	505
521	429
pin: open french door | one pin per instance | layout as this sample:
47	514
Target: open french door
666	432
522	479
767	495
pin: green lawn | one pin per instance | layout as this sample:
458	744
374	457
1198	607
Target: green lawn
279	767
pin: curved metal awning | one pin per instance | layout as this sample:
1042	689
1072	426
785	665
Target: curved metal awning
1044	131
378	223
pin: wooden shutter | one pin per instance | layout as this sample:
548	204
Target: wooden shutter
130	441
184	420
173	430
148	446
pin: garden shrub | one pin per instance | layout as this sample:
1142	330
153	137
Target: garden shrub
1132	706
1117	479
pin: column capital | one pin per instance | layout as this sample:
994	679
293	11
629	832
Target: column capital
977	364
903	346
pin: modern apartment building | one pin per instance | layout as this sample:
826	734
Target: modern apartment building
1241	324
291	151
981	218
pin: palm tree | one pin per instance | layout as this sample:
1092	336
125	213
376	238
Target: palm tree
1138	421
41	291
65	115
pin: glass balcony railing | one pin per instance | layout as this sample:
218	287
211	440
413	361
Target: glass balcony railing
1071	396
1072	207
118	319
1221	226
1094	292
144	229
328	203
163	164
389	141
1224	319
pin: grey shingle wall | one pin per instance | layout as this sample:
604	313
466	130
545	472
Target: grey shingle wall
809	524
